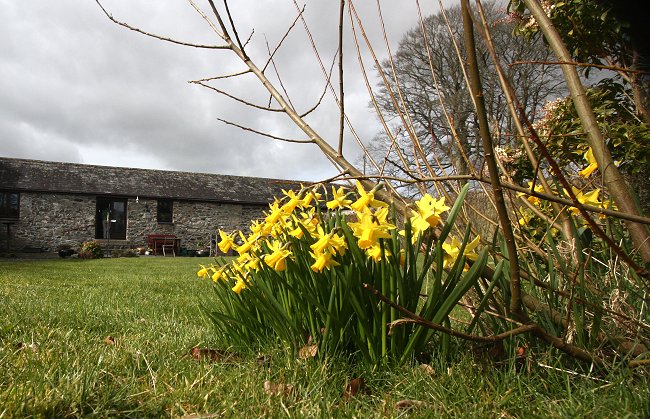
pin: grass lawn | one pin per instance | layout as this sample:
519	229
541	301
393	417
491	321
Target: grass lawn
113	337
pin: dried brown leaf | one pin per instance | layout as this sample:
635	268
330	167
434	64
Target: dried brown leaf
213	355
21	346
263	360
278	389
355	387
428	369
409	404
307	351
109	340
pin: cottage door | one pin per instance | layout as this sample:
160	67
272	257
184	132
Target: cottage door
110	219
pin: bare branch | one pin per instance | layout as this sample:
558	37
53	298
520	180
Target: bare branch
277	74
414	318
226	76
160	37
373	100
320	99
286	33
224	34
286	140
599	66
488	151
234	29
517	188
238	99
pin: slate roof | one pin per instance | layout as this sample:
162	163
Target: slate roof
70	178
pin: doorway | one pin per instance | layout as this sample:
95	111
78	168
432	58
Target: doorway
110	218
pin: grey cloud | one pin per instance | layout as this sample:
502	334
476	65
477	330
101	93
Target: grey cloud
78	88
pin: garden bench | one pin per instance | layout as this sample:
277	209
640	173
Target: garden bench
163	243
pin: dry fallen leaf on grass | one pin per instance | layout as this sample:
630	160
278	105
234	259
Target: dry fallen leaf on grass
409	404
213	355
21	346
109	340
428	369
278	389
355	387
263	360
307	351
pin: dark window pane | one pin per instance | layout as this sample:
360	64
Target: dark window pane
165	211
9	205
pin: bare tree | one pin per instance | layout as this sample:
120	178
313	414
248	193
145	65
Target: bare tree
427	71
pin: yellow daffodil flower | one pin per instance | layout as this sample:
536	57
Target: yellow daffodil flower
338	199
589	198
418	226
533	199
593	165
309	197
247	243
323	261
430	209
322	243
452	251
526	216
239	286
374	252
291	204
366	200
227	241
426	215
203	272
277	258
257	227
328	242
217	273
369	229
297	232
253	264
307	219
275	213
338	244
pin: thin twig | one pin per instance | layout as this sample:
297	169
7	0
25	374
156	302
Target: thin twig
600	66
320	99
160	37
234	29
225	76
277	74
414	318
286	34
238	99
520	189
286	140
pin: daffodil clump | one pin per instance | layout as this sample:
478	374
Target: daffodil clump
586	196
299	272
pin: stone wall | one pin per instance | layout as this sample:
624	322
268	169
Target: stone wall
50	220
193	222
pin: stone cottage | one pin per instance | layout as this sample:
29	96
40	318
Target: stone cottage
44	205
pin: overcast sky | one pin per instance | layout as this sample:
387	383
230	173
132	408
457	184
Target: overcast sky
75	87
